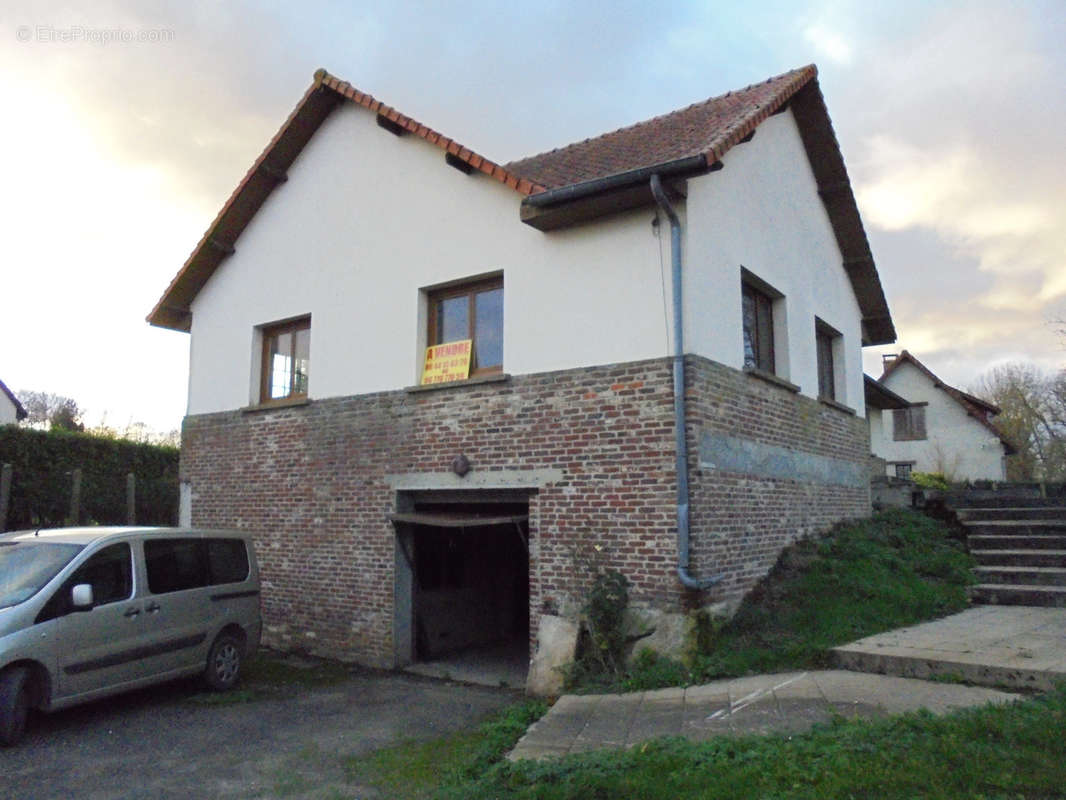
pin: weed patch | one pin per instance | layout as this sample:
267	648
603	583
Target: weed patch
861	578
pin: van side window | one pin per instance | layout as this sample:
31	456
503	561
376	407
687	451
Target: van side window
174	565
109	572
228	559
177	564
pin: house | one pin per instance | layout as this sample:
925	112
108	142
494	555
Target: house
879	399
11	410
942	429
562	301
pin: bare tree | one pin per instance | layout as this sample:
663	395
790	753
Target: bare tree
1033	418
51	411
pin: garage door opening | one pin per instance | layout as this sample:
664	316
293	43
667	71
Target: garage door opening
467	609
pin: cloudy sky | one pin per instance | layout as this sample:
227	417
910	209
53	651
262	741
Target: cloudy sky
127	125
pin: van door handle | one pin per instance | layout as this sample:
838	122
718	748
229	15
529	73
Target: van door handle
152	607
133	612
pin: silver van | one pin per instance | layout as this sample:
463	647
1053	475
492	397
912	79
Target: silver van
88	612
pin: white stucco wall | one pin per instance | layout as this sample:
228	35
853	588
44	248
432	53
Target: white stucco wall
367	219
876	420
957	444
8	411
765	216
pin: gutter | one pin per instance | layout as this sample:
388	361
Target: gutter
688	165
681	443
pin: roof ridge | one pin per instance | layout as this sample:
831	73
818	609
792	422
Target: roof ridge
964	399
813	69
415	126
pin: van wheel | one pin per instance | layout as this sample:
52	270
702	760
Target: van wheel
224	662
14	704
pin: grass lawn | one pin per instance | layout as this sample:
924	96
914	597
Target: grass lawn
1014	751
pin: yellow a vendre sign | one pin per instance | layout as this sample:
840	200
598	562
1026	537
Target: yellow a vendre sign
447	362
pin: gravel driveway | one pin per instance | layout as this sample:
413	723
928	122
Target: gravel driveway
165	742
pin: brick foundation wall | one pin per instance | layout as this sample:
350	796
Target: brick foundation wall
312	482
743	518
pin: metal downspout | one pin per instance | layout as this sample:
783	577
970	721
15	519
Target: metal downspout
681	446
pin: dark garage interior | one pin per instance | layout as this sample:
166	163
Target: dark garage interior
469	579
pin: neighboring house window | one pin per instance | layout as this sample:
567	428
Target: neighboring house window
758	314
826	341
908	424
470	311
286	360
903	470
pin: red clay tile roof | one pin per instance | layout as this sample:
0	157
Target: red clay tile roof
411	125
709	129
977	408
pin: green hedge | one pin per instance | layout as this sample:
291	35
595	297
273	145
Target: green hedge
42	467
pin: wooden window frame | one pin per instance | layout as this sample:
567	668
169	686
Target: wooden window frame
270	332
825	339
762	334
912	421
470	289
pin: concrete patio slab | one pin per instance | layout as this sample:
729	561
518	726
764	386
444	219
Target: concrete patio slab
785	703
1020	647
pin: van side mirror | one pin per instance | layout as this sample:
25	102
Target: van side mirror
81	597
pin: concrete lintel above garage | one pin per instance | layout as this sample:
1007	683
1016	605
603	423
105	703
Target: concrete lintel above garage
496	479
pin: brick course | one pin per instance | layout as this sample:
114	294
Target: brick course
311	481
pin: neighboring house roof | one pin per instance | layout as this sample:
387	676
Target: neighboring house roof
880	396
977	408
597	176
20	412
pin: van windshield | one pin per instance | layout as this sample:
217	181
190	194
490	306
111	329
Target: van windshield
25	567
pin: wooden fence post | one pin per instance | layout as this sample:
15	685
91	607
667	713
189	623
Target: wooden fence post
5	494
131	499
75	497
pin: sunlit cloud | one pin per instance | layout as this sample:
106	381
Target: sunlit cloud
959	192
829	43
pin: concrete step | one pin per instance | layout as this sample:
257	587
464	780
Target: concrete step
1013	527
997	500
987	644
1002	594
1031	576
1020	558
1017	542
1053	513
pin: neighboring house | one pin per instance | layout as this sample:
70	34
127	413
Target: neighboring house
879	399
397	521
942	429
11	410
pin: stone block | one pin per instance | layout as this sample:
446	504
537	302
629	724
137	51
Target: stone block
556	647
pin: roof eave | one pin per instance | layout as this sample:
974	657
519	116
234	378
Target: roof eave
834	189
582	202
880	396
269	170
325	93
